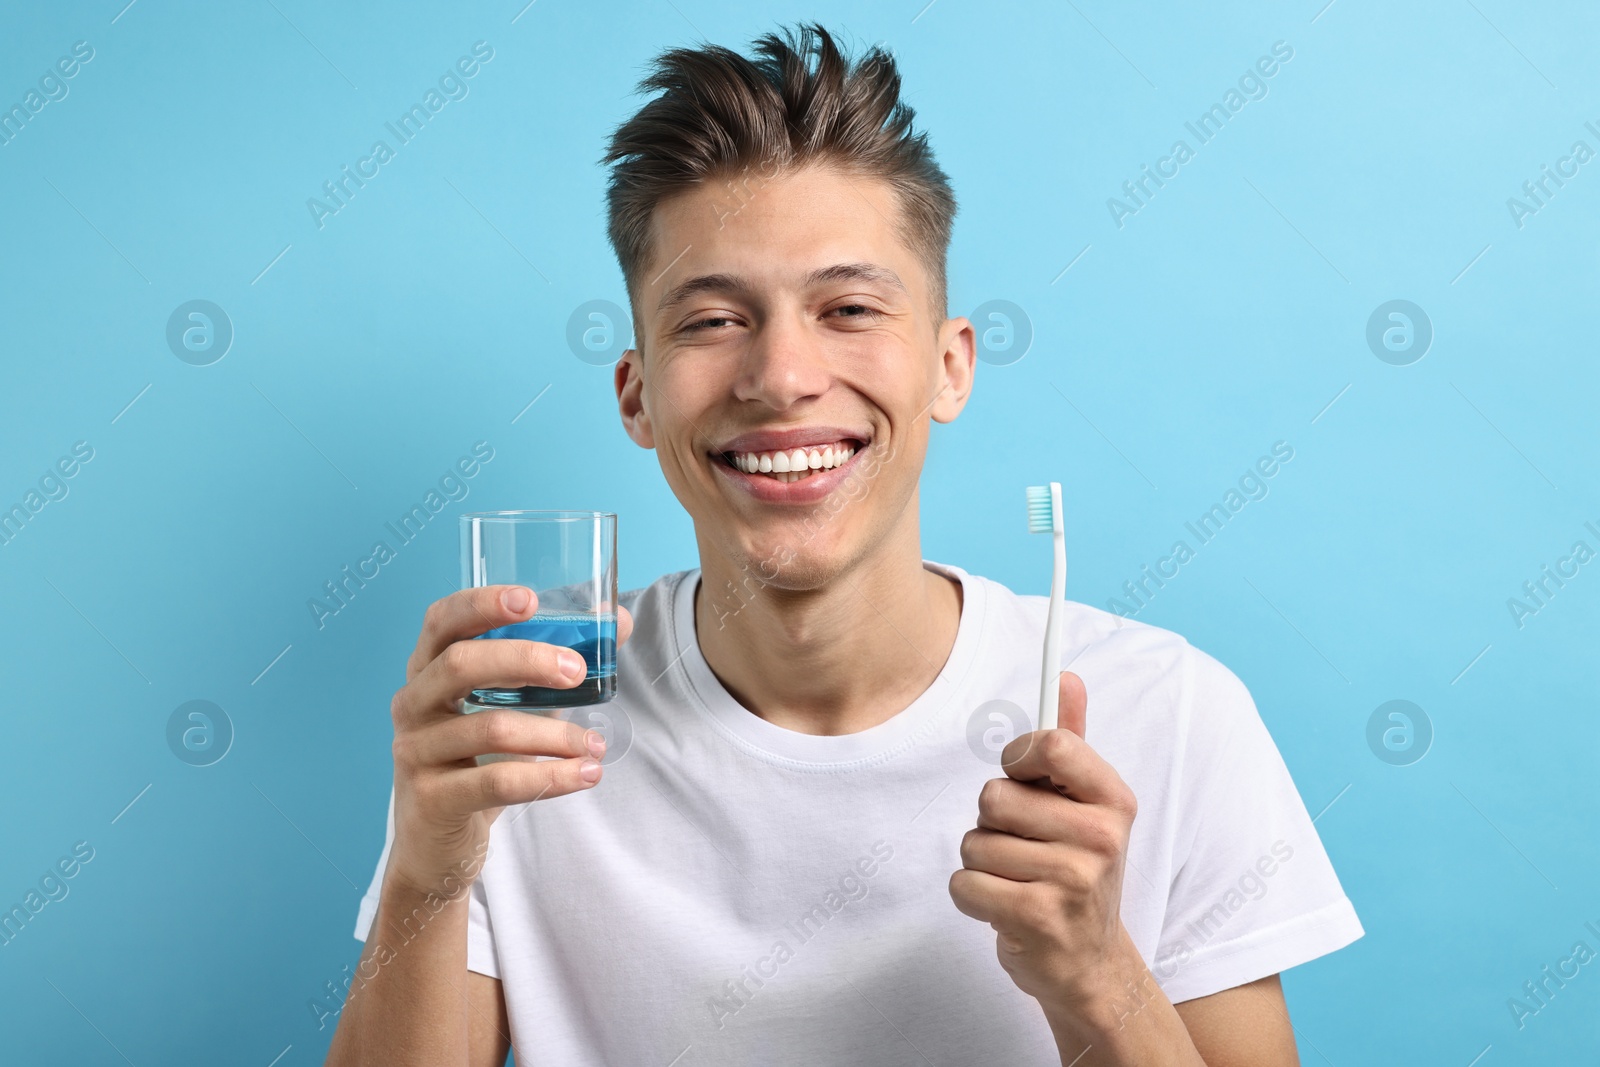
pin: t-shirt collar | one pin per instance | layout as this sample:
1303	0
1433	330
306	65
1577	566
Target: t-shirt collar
768	741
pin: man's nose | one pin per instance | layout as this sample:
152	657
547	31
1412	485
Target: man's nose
785	363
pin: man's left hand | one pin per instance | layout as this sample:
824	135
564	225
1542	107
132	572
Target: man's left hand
1044	865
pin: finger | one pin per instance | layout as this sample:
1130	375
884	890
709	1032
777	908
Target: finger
985	897
1067	762
465	614
493	663
463	737
1074	708
495	785
1006	856
1026	810
623	616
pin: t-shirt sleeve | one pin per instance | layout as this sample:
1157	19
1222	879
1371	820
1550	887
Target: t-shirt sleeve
1254	892
481	955
369	901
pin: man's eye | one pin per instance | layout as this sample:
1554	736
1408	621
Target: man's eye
850	311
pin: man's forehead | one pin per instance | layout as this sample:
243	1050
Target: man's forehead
817	211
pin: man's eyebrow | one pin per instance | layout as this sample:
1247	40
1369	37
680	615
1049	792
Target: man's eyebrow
703	283
838	272
856	272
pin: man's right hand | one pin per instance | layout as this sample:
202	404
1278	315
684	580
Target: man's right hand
444	800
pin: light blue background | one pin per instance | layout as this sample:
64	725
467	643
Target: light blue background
1226	315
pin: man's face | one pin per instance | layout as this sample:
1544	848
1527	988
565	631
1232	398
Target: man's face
782	311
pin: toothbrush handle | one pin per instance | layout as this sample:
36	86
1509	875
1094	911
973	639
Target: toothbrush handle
1050	676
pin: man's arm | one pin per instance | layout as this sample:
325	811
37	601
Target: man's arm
1246	1026
1044	867
412	999
420	1004
1133	1022
488	1030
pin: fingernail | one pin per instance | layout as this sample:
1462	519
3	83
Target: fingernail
515	600
589	770
572	664
596	742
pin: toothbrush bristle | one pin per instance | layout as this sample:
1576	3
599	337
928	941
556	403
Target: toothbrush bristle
1040	510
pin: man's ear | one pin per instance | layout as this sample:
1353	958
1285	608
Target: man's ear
957	361
629	381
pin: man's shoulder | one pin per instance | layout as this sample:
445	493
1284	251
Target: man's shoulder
655	593
1086	627
1152	665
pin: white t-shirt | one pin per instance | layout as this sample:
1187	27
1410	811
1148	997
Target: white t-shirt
734	892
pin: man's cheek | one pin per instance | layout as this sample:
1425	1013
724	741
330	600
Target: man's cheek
854	487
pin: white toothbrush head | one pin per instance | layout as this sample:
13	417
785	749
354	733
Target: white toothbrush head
1044	508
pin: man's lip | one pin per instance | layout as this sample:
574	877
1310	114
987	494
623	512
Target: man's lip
811	489
787	440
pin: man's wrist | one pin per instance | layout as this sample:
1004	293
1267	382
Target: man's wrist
1117	1014
1104	996
447	883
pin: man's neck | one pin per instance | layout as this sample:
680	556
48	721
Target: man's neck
836	659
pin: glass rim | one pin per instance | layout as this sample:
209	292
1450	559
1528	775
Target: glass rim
536	515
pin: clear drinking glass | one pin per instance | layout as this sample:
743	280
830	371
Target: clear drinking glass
569	560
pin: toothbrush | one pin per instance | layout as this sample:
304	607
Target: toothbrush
1044	516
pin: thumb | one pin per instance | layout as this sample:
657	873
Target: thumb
1074	710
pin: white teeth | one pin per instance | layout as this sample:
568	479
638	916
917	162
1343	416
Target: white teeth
794	464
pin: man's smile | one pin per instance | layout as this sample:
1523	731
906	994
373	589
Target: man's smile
789	466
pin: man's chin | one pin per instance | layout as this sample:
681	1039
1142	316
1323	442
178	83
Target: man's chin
804	560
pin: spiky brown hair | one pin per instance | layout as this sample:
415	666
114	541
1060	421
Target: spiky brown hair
720	114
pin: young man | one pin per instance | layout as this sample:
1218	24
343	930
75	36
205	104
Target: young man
815	847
